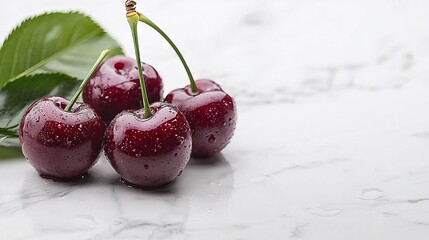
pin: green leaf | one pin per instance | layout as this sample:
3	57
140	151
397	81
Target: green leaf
9	141
8	153
17	96
53	42
8	137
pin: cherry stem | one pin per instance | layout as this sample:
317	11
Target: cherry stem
144	19
133	21
86	80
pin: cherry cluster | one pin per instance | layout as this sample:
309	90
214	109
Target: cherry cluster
147	139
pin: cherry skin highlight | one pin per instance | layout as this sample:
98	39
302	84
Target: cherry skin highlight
61	145
149	152
211	113
115	87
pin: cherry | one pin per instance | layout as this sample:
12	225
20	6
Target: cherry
150	147
115	87
211	113
61	145
62	140
149	152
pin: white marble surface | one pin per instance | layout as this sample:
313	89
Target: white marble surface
332	138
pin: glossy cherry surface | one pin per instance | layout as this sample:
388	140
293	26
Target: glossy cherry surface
115	87
61	145
149	152
211	113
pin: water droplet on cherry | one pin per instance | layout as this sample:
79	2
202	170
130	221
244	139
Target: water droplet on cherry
212	139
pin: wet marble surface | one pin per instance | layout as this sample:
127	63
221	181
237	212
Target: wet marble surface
331	143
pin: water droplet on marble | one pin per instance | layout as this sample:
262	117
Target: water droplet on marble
325	212
371	194
84	221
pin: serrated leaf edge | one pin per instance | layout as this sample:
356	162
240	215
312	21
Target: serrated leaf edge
28	73
59	74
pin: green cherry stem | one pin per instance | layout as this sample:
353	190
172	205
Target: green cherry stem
86	80
144	19
133	19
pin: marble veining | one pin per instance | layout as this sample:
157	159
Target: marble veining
331	140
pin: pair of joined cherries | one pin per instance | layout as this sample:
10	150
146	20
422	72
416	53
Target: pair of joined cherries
148	143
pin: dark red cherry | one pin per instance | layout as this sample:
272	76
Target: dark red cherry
115	87
211	113
61	145
149	152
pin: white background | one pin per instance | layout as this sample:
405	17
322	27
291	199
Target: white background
332	138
